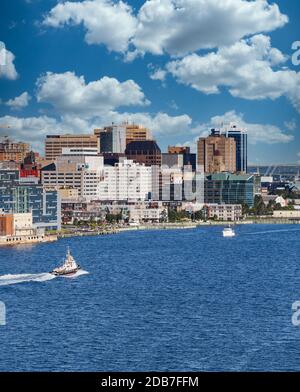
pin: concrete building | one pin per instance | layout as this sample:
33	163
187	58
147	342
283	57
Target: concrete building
126	180
80	172
146	152
287	214
217	154
55	143
179	156
146	212
12	151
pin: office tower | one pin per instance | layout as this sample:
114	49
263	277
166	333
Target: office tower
112	139
240	136
146	151
137	133
55	143
12	151
217	153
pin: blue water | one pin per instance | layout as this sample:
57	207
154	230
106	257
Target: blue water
170	300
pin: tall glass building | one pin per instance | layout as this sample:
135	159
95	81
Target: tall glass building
20	197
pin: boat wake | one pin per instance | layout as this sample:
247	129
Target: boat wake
271	231
78	273
6	280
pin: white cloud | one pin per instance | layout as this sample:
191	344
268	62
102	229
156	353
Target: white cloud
106	22
158	74
7	67
291	125
181	26
19	102
176	27
71	94
248	68
161	124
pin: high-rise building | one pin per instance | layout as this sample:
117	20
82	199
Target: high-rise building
55	143
137	133
240	136
144	151
217	153
12	151
112	139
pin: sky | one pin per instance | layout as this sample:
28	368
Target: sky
179	67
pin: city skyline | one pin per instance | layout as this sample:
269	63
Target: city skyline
125	75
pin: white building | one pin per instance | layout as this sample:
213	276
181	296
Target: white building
126	180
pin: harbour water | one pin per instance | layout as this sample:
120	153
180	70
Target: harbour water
169	300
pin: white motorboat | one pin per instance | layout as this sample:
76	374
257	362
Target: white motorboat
69	266
228	232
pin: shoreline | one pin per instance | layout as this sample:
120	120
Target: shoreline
177	226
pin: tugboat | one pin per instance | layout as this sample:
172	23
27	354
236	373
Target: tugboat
228	232
70	267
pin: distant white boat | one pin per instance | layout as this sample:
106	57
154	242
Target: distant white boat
69	267
228	232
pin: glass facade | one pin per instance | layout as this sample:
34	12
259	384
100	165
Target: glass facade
25	197
240	138
230	189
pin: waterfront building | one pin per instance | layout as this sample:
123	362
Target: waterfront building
287	214
12	151
231	188
55	143
223	212
145	152
19	196
216	154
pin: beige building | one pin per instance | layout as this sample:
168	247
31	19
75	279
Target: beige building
288	214
68	193
137	133
13	151
55	143
217	154
224	212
